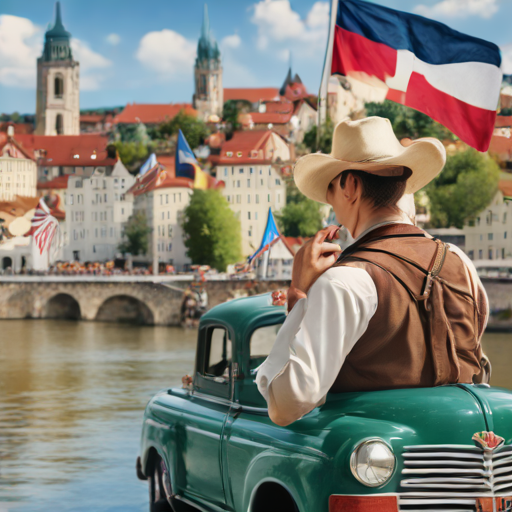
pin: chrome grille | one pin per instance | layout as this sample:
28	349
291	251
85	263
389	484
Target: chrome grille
450	478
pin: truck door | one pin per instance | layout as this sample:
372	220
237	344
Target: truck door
209	406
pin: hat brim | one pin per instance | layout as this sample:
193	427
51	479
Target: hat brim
424	157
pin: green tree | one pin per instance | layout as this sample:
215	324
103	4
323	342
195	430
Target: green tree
301	216
310	138
136	232
194	129
465	187
408	122
212	230
230	113
131	153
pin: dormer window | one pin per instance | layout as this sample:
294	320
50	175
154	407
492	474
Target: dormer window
239	154
229	153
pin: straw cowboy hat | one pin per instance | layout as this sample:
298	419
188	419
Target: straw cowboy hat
369	145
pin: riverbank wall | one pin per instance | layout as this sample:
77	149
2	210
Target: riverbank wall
158	300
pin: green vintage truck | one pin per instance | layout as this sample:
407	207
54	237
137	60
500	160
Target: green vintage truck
211	446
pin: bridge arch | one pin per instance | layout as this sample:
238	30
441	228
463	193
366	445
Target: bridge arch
63	306
126	309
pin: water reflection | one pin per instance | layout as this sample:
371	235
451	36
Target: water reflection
71	399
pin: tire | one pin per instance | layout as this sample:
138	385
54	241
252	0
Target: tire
157	499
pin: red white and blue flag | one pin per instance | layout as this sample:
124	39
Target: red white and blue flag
452	77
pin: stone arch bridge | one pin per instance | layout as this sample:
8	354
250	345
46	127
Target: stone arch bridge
141	302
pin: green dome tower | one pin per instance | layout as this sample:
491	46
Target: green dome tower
58	86
209	95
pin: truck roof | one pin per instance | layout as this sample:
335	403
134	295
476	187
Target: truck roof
246	311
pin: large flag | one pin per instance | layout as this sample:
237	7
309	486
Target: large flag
186	164
270	235
452	77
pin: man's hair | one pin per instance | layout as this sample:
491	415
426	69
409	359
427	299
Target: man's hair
382	191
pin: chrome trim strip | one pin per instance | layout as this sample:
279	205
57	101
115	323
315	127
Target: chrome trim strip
434	455
429	471
464	447
443	463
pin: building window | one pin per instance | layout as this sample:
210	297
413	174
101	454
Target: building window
503	253
268	198
239	198
471	255
505	235
248	215
490	236
225	171
257	199
480	254
241	171
59	124
278	198
232	170
478	221
261	182
122	211
278	181
161	200
505	218
248	198
238	183
250	231
255	215
59	86
71	199
163	215
169	231
166	198
490	253
270	171
229	199
251	170
248	182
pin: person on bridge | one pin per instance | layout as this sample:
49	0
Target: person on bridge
398	308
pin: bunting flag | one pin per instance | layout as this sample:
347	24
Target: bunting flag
186	164
148	164
44	227
270	236
423	64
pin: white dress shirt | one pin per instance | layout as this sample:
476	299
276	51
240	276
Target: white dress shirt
317	336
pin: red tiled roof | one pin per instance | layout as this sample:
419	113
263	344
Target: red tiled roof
252	95
501	145
296	91
18	127
152	113
245	147
68	150
503	121
270	117
505	187
59	182
91	118
18	151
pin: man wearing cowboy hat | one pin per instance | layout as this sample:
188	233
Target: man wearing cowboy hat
396	309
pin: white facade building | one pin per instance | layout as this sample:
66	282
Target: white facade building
18	171
162	198
97	207
489	236
253	182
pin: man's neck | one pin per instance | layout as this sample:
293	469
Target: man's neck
373	218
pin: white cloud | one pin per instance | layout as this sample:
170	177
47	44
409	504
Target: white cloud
280	27
168	53
460	8
232	41
21	43
113	39
90	62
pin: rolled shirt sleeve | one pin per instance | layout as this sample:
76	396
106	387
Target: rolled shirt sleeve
314	341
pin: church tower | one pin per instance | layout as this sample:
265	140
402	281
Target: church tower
209	94
58	86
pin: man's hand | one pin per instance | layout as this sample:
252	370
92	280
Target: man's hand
316	256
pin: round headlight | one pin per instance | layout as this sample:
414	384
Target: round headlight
372	462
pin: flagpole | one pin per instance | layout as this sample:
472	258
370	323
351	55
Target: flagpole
326	74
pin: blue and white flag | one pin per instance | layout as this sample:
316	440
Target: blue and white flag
148	164
270	236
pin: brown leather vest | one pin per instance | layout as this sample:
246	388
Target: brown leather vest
427	327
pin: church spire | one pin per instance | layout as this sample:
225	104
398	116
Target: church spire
57	39
205	30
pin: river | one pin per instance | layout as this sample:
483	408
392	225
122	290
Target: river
72	396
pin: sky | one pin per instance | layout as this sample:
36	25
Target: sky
144	51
